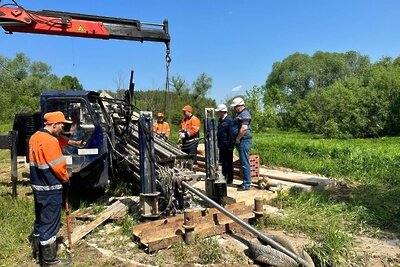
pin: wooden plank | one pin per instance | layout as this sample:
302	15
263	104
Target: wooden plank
220	218
160	235
84	214
105	215
177	220
156	244
158	224
164	243
149	237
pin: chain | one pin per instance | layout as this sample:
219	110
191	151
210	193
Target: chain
167	61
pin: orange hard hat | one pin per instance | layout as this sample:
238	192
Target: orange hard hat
55	117
187	108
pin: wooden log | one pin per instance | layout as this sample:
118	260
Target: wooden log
291	179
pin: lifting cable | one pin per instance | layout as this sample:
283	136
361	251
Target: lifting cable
167	61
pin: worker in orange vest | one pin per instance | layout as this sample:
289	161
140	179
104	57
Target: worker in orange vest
161	128
189	132
48	173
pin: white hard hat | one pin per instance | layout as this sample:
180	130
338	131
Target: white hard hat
238	101
221	107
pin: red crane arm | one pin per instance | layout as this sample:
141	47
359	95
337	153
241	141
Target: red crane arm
81	25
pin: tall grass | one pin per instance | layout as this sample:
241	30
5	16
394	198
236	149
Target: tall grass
371	161
16	220
367	203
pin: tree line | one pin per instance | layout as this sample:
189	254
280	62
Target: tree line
171	102
334	94
22	81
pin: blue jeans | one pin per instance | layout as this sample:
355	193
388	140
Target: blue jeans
244	157
191	150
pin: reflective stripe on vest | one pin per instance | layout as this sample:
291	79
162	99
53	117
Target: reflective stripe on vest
46	187
45	165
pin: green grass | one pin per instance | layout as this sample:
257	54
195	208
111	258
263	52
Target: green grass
367	203
365	160
207	250
16	220
372	163
5	128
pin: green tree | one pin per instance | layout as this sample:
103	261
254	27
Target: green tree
201	86
71	83
22	82
179	85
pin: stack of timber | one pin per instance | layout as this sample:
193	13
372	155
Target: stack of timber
163	233
287	179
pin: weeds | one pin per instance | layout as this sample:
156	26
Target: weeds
209	250
180	252
127	224
332	249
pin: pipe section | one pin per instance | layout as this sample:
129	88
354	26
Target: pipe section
246	226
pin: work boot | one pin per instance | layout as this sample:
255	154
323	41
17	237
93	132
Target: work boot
36	248
49	254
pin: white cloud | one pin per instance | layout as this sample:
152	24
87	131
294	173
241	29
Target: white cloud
237	88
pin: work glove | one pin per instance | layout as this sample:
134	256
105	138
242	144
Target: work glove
182	135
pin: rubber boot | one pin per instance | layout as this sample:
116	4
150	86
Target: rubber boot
36	248
49	256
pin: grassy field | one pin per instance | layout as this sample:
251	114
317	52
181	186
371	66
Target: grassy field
367	202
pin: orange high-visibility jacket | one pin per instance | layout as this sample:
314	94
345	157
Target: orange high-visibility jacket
162	128
48	167
190	126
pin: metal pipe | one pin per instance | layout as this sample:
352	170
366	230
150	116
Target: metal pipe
248	227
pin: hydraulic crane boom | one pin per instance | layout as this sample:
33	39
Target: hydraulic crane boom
80	25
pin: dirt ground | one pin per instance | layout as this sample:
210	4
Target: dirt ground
121	251
106	247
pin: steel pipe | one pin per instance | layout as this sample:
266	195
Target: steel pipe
246	226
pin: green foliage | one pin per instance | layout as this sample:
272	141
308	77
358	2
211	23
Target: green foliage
180	252
23	81
71	83
201	86
209	250
337	111
150	100
179	85
253	100
335	94
127	224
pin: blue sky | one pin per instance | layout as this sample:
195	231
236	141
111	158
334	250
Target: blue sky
235	42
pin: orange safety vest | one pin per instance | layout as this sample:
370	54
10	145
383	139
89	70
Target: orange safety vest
191	126
162	128
48	167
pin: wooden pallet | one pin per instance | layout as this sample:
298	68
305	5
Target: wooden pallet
162	233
